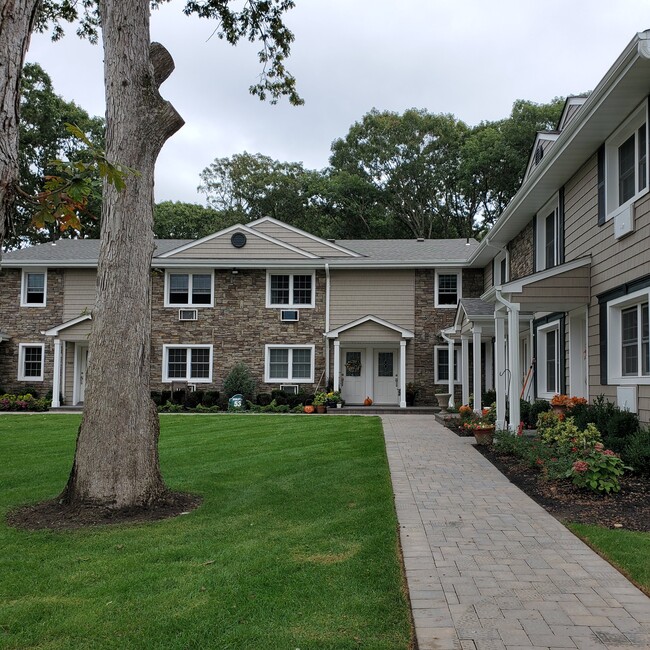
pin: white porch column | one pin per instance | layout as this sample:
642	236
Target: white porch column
489	366
515	370
476	357
452	378
464	342
402	373
337	364
500	368
56	379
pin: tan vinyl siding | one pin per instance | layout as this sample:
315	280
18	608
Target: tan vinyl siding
299	241
78	332
220	248
79	288
614	262
488	276
389	295
573	285
69	373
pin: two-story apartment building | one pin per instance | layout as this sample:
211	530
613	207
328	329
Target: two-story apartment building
553	300
567	279
296	309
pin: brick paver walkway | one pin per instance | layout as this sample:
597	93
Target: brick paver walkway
487	567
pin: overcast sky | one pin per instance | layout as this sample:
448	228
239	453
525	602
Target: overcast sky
472	58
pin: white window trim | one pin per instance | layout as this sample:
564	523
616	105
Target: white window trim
23	288
458	377
459	287
287	380
498	280
614	361
630	126
21	361
191	273
542	330
540	236
165	359
290	304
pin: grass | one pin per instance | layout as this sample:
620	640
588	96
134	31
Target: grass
627	550
295	545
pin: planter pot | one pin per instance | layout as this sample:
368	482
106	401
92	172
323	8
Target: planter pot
321	408
443	401
484	436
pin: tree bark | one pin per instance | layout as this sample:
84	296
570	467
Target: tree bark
16	23
116	460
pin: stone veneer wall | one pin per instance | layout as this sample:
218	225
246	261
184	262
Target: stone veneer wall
24	325
238	326
428	323
522	253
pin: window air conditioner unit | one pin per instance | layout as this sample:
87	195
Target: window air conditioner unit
290	315
191	388
624	222
188	314
292	389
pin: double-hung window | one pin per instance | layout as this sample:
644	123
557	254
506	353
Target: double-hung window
285	363
548	360
628	340
448	288
547	252
626	155
441	362
189	289
187	363
290	289
34	289
31	358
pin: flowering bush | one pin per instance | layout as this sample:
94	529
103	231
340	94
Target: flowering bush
26	402
472	420
599	470
334	396
565	400
562	433
465	411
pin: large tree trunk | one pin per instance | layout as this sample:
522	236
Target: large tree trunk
116	460
16	23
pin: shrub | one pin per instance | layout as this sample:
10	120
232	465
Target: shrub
178	396
26	402
193	399
564	435
538	407
210	397
239	381
637	451
489	396
264	399
279	396
156	396
599	470
170	407
201	408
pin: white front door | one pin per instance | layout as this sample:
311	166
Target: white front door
353	389
81	366
578	385
386	377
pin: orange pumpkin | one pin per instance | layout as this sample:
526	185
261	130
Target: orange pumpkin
308	409
367	402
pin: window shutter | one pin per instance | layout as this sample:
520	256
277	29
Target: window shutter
601	185
560	227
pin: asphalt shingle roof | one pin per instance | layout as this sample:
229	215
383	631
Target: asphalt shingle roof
477	307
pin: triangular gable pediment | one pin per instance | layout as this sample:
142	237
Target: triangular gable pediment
301	239
404	333
55	331
571	107
238	242
543	141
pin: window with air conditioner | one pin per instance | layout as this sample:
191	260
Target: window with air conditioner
290	290
189	289
289	364
191	363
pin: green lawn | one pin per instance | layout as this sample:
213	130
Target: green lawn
295	545
627	550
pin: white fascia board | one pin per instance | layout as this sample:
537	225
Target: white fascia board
304	233
237	227
407	334
59	328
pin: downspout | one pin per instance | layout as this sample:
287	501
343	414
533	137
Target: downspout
327	321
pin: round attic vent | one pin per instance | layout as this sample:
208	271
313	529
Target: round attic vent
238	240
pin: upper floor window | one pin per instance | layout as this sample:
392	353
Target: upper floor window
30	361
500	269
626	169
187	363
34	289
547	252
289	363
189	289
448	288
290	290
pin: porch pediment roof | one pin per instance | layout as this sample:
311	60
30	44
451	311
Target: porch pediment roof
562	288
474	310
404	333
55	331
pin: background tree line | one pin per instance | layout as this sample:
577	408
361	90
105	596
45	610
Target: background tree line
415	174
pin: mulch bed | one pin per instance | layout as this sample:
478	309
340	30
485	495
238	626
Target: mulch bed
55	515
629	508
